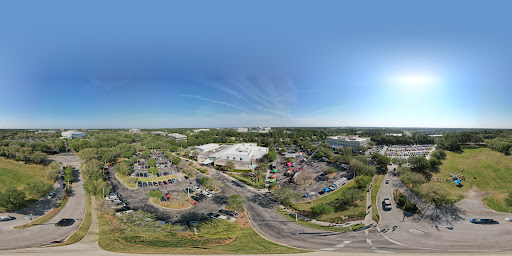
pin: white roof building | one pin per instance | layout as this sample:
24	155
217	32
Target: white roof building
72	134
207	147
134	130
201	130
241	129
177	136
261	129
352	141
243	152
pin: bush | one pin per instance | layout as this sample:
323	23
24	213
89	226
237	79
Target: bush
155	194
236	202
320	209
508	200
330	170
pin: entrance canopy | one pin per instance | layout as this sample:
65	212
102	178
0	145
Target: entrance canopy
207	161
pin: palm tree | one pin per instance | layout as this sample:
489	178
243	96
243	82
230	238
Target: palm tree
257	176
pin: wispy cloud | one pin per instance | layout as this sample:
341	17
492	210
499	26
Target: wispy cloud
322	110
214	101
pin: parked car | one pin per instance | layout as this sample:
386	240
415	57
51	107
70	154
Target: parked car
213	215
197	199
51	195
155	184
160	183
65	222
165	182
192	202
387	181
144	184
387	204
508	218
6	218
169	181
163	199
483	221
230	213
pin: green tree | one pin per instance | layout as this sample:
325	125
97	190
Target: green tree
211	183
434	193
52	171
39	188
257	176
330	170
285	195
152	162
434	162
419	164
229	166
12	198
320	209
68	173
144	154
194	154
363	181
88	154
236	202
96	186
153	170
123	168
176	160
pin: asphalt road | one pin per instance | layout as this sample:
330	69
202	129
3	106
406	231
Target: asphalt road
48	232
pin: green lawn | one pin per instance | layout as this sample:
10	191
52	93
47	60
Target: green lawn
359	207
377	182
247	180
492	170
17	174
247	242
313	225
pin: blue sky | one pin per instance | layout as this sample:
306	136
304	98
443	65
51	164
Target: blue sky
126	64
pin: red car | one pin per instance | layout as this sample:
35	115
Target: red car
192	202
165	182
167	195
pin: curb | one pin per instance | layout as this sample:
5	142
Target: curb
377	196
164	208
82	222
120	181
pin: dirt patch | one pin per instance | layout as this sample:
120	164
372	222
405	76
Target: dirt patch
243	221
476	194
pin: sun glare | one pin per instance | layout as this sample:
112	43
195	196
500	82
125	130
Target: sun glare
414	80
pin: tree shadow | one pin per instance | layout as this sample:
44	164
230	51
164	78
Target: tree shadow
262	201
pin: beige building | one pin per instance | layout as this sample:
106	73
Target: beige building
177	136
352	141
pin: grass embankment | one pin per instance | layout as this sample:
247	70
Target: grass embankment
377	182
84	227
313	225
489	171
242	241
358	207
247	180
126	179
173	203
43	219
18	174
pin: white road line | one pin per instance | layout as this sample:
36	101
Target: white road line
337	246
369	241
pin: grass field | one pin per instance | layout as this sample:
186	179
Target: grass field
484	169
313	225
173	203
377	182
360	205
17	174
247	242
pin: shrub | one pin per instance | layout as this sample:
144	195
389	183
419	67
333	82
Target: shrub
320	209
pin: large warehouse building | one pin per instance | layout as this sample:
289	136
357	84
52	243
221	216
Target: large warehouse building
243	155
72	134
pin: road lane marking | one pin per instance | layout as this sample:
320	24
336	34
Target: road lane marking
345	243
369	241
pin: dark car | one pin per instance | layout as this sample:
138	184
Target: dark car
186	177
170	181
230	213
150	184
65	222
174	181
163	199
139	184
482	221
144	184
160	183
213	215
122	209
200	195
155	184
145	175
158	174
197	199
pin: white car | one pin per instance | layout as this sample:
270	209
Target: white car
6	218
508	219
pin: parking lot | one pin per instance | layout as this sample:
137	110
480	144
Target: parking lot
313	169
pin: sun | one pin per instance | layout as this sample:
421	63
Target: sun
414	80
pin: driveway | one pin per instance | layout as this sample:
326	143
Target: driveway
47	233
